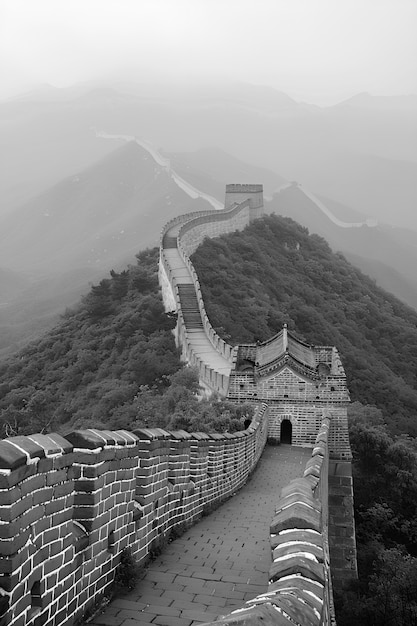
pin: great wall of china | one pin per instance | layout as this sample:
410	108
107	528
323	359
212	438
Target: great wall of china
70	506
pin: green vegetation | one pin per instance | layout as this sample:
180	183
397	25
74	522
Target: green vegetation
111	363
275	272
385	490
127	574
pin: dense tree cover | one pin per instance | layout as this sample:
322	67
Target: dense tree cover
275	272
110	363
385	489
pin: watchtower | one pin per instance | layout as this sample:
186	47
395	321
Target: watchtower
301	384
237	193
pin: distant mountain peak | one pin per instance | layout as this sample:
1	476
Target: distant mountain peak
366	100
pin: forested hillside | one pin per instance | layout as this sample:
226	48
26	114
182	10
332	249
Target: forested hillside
110	363
275	272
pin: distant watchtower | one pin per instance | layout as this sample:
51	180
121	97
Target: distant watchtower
235	194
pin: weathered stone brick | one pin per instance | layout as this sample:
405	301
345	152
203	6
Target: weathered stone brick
33	515
63	489
42	496
8	496
17	475
62	517
56	477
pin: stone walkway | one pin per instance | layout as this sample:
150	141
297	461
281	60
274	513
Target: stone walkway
220	562
197	338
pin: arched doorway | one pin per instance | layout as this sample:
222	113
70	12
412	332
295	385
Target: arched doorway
286	431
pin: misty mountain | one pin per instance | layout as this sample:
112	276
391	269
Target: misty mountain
275	272
362	156
11	283
66	197
211	169
376	186
96	219
387	254
90	367
76	232
365	100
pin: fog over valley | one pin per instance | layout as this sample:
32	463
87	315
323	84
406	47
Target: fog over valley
115	117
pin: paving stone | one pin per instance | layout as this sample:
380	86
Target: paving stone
156	600
119	603
201	616
107	620
172	621
129	614
162	610
179	596
164	577
187	604
143	620
224	559
211	601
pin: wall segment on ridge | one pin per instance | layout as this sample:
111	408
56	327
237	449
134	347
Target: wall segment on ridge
299	591
200	344
69	506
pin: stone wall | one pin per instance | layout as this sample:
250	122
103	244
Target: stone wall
342	538
189	232
300	588
69	506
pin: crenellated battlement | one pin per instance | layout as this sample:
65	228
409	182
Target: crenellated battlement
302	384
70	506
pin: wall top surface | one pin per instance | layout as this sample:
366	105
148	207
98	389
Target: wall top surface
19	451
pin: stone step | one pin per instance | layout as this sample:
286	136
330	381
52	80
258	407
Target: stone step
169	242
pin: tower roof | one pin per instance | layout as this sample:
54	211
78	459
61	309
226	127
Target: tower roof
267	355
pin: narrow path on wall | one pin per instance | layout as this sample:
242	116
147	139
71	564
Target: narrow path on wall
371	223
197	337
220	562
164	162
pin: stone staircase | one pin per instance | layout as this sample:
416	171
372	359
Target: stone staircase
169	242
189	307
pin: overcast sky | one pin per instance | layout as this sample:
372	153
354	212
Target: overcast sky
316	50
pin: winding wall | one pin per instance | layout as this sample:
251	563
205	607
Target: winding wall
214	359
70	506
299	591
200	344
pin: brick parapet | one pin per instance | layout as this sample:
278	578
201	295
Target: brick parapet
300	586
189	231
36	548
341	523
68	507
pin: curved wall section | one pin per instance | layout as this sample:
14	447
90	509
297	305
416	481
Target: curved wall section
200	345
300	590
70	506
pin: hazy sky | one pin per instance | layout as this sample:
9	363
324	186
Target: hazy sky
318	50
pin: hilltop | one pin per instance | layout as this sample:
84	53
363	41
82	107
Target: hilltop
274	272
111	362
388	254
93	364
55	244
95	219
